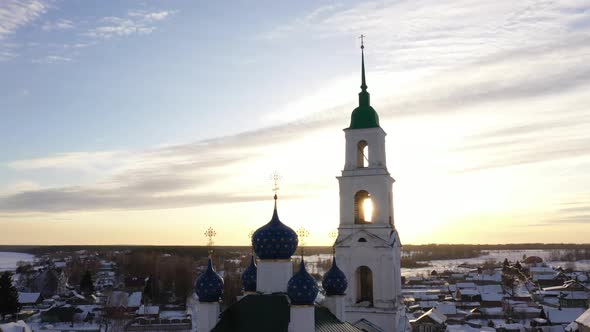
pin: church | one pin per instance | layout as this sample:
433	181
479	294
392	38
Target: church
362	287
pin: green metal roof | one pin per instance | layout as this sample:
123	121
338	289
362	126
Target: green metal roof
261	313
364	116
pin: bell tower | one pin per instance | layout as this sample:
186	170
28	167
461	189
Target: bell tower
368	249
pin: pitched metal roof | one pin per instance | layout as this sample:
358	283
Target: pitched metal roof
271	313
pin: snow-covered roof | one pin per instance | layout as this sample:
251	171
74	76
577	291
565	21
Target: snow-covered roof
463	285
467	328
19	326
447	308
134	299
435	315
563	315
471	292
584	319
510	326
490	289
28	298
148	310
489	297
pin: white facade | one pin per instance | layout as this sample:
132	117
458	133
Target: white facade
369	252
273	275
207	315
302	318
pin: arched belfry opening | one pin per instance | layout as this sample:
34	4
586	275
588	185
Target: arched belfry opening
362	156
363	207
364	284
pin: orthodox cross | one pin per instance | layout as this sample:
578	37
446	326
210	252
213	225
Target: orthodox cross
210	234
362	38
275	177
302	234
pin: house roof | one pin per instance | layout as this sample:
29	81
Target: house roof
563	315
272	313
27	298
433	314
584	319
148	310
447	308
134	299
491	297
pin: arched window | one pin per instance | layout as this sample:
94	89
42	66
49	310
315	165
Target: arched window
363	208
362	239
362	154
364	286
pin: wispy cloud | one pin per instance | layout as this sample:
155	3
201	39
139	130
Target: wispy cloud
15	14
72	160
135	22
52	59
61	24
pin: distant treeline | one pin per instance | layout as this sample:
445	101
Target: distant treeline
417	252
192	251
509	246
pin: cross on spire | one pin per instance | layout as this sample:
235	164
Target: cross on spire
363	83
275	177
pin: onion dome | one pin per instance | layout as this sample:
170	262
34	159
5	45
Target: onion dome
334	281
302	288
274	240
364	116
209	285
249	277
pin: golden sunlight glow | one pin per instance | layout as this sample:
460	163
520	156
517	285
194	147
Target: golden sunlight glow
368	209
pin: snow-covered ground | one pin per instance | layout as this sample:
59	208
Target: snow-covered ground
498	255
452	264
8	260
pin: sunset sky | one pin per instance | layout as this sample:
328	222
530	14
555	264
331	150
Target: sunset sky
145	122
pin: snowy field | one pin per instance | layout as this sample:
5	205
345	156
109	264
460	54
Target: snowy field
8	260
498	255
452	264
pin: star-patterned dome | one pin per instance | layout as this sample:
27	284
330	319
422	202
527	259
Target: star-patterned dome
334	281
274	240
302	288
249	277
209	285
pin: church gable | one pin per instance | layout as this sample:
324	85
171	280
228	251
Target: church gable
363	238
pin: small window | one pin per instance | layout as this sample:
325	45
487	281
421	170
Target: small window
363	207
362	239
362	158
364	277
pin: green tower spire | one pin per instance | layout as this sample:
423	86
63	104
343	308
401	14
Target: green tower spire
364	116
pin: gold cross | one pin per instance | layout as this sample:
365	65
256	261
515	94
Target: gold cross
362	37
210	234
275	177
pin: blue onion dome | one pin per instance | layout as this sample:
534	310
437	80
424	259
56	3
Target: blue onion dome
209	285
274	240
249	277
302	288
334	281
